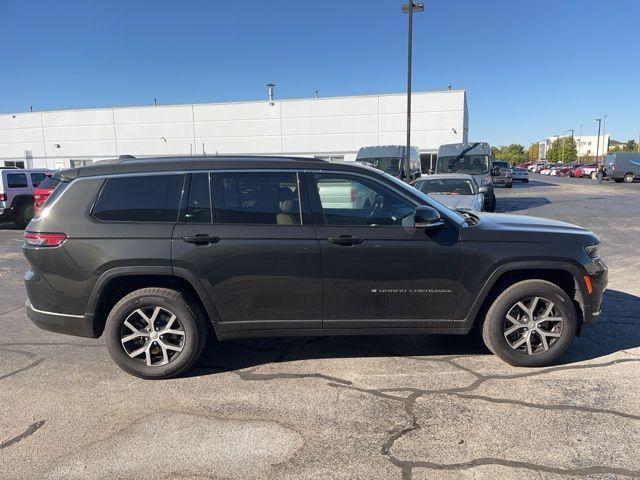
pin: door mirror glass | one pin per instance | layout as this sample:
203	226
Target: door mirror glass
427	217
483	190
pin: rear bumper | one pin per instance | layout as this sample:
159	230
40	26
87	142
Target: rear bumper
591	303
78	325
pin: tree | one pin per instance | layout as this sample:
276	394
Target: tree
514	154
533	151
563	150
630	146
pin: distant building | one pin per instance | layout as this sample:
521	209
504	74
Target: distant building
585	145
332	128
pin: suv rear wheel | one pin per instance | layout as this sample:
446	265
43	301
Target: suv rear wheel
530	324
629	177
155	333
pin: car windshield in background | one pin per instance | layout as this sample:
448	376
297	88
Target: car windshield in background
501	164
446	186
469	164
387	165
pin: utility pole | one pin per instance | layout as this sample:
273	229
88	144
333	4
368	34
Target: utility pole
568	130
409	8
580	140
605	150
599	120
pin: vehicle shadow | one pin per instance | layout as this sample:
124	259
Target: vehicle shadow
534	183
8	226
617	330
514	204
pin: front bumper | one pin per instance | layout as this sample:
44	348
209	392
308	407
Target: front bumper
594	283
78	325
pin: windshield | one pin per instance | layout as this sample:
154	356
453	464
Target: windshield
469	164
446	186
388	165
452	214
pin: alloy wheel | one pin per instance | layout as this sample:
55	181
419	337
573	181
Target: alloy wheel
152	335
533	325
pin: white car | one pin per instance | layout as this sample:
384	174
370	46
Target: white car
520	175
456	191
16	193
590	171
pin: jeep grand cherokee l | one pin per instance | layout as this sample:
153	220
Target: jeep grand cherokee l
147	251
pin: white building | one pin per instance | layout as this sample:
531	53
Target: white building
333	127
585	145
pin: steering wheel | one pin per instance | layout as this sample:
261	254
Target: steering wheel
378	205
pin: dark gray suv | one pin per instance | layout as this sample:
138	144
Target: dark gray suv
149	251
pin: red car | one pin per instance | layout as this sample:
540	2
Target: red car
42	192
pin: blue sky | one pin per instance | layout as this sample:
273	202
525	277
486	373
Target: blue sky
531	68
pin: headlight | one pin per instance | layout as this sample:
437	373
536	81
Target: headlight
593	250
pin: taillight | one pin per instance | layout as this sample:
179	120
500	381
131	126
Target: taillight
44	239
3	197
613	167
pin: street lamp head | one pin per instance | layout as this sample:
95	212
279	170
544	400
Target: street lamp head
417	7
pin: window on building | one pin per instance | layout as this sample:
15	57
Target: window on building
151	198
16	180
350	200
14	163
199	202
77	163
37	178
266	198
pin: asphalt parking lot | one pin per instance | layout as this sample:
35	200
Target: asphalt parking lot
344	407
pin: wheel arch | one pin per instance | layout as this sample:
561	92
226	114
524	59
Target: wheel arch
114	284
564	275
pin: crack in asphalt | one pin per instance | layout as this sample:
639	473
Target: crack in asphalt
11	310
409	403
29	431
33	364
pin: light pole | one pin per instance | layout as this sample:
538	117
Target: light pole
580	140
604	136
599	120
409	8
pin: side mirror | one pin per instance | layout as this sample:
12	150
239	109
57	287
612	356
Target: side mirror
483	190
427	217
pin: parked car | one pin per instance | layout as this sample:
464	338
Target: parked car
590	171
622	166
470	158
536	167
42	193
572	170
250	247
503	174
520	175
454	190
16	193
545	171
563	171
391	159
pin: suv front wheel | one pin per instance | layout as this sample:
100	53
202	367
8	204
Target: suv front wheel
530	324
155	333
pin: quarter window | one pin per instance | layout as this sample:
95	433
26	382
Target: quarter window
16	180
347	200
152	198
266	198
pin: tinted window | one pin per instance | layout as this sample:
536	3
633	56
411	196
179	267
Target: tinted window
153	198
348	200
268	198
199	203
447	186
49	182
16	180
37	178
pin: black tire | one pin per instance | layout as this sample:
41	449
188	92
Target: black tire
629	177
490	206
495	322
509	185
526	181
23	214
617	180
190	319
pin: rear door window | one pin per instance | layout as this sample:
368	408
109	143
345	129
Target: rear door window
37	178
264	198
150	198
16	180
198	208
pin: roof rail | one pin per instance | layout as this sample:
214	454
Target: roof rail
123	158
